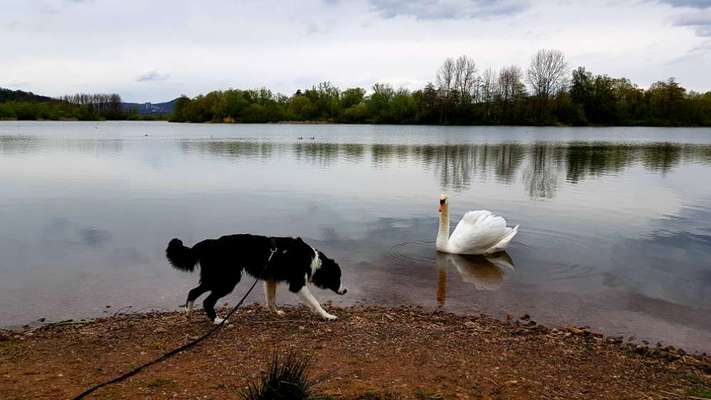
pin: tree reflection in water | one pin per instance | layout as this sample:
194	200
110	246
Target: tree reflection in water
539	166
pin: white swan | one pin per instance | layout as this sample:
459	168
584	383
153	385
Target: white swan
479	232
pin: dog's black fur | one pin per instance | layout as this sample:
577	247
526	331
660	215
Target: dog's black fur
222	261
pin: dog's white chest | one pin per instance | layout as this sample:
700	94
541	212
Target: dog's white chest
315	263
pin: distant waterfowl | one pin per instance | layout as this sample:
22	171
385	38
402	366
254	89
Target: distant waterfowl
300	138
478	232
312	138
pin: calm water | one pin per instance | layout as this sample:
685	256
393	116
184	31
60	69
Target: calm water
615	222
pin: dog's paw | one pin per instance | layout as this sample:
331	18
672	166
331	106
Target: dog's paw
329	317
188	309
218	320
277	311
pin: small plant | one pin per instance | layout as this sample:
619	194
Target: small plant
426	395
160	383
699	388
286	379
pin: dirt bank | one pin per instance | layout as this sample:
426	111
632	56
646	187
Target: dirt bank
409	352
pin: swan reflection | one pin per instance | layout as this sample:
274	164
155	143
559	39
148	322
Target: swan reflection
484	272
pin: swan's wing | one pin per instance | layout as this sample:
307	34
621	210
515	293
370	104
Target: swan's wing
477	232
504	242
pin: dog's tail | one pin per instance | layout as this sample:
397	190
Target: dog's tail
181	257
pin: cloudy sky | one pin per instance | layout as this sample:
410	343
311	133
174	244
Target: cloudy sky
156	50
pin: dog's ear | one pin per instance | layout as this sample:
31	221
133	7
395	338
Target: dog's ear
298	239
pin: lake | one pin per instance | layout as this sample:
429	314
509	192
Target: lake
615	222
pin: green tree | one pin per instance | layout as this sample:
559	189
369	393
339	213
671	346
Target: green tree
351	97
379	103
301	108
667	102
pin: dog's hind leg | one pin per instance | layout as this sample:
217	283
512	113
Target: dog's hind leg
270	294
193	294
209	304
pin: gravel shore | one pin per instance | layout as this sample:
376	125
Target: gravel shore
403	352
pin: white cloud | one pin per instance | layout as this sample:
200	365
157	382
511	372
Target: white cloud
688	3
448	9
152	75
699	21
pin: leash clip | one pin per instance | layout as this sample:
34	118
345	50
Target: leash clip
273	249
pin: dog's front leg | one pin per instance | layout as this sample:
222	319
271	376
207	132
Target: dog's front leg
309	299
270	294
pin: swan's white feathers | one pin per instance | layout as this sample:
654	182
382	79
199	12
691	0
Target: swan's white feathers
504	242
480	232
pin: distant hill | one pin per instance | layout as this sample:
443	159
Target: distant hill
142	108
19	95
150	108
21	105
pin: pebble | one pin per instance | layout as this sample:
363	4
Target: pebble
575	330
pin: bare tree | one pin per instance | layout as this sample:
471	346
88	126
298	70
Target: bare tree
100	103
465	78
488	87
547	72
445	76
510	85
487	92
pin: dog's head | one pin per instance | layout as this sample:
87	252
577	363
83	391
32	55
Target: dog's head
328	275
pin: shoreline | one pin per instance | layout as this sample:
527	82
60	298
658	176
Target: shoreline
405	351
631	336
317	122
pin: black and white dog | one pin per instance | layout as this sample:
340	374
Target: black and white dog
271	259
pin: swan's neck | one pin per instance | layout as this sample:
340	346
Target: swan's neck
443	233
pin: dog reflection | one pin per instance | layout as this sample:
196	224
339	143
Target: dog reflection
485	273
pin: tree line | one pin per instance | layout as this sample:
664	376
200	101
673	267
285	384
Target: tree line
20	105
546	93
